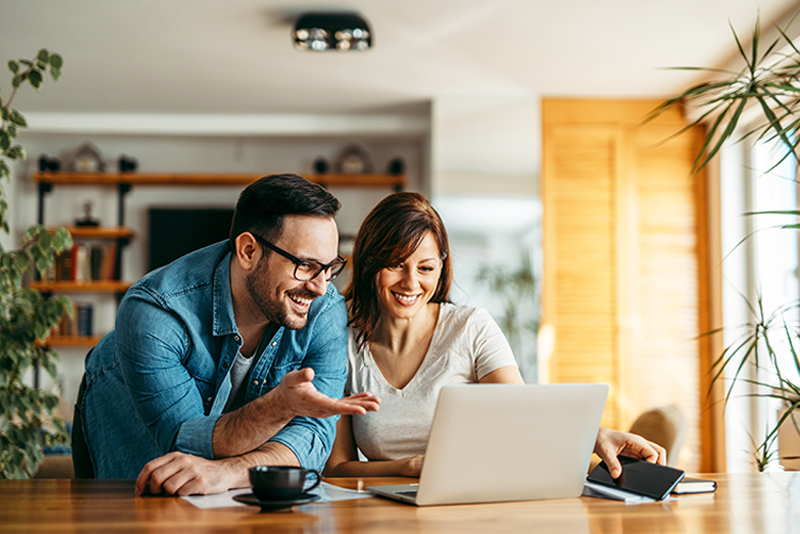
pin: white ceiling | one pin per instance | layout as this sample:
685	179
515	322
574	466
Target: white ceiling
236	57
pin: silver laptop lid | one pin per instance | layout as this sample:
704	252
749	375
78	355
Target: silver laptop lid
501	442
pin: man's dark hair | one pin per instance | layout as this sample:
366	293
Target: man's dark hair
264	203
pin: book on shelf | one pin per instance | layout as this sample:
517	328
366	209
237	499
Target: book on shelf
80	324
694	485
85	263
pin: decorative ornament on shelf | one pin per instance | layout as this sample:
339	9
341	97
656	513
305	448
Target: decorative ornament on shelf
87	219
353	160
47	164
397	166
321	165
127	163
87	159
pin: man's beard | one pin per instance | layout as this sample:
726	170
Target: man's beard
275	310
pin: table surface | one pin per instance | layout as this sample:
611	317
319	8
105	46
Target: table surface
767	502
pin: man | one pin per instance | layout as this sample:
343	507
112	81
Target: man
229	357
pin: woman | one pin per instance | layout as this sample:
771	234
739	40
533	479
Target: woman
407	341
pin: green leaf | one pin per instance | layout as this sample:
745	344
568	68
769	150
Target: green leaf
43	55
35	78
55	73
12	130
56	61
5	140
22	260
16	152
17	118
13	66
17	81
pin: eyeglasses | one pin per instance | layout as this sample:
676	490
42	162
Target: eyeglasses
305	270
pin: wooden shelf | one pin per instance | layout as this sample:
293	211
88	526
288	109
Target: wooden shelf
72	341
100	232
182	179
97	286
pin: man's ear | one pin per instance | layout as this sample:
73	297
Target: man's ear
247	250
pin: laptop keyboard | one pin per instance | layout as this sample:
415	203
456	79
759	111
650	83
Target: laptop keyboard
409	493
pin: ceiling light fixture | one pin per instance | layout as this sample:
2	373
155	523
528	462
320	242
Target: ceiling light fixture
332	31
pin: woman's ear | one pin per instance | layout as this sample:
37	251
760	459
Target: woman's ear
247	250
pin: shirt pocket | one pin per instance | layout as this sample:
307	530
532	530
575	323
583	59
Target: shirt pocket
279	370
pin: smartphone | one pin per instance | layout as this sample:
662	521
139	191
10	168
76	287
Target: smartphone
639	477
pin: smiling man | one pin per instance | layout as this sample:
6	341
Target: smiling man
229	357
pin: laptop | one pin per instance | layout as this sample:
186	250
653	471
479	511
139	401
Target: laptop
504	442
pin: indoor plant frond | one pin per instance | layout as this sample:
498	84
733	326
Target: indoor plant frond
768	80
763	354
26	316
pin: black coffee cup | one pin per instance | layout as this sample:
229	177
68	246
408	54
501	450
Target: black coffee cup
281	482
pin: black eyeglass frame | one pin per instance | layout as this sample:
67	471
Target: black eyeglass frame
321	267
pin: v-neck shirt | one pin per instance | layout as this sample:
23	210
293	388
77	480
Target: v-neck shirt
466	345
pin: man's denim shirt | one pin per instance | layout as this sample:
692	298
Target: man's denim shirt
160	380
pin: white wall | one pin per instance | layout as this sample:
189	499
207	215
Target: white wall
485	182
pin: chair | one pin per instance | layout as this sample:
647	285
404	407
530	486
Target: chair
665	425
56	466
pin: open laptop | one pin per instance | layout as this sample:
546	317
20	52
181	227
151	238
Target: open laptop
502	442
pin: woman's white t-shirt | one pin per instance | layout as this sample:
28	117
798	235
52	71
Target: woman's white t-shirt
466	346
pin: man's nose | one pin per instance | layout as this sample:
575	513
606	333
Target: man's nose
318	285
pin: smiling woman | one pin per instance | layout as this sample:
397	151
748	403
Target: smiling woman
406	339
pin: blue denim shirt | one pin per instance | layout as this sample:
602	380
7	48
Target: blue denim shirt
160	380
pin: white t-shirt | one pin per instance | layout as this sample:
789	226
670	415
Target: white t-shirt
466	346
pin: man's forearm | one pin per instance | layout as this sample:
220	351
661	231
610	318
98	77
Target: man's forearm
246	429
271	453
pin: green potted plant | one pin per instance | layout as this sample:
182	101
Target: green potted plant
27	423
770	82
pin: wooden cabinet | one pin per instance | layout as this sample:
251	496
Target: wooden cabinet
624	254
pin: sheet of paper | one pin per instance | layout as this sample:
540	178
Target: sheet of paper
604	492
217	500
327	493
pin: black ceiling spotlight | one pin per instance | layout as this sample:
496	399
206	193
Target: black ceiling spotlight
332	31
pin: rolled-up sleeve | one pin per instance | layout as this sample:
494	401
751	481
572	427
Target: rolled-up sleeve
152	344
309	438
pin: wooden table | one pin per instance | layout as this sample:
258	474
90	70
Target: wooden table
746	503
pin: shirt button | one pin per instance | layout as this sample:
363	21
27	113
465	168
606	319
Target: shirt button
237	339
210	399
225	365
274	343
255	382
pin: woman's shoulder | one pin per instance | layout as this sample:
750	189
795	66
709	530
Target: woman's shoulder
453	313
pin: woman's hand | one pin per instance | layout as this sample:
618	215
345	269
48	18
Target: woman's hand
612	443
412	466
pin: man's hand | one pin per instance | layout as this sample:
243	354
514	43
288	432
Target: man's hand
178	473
612	443
301	397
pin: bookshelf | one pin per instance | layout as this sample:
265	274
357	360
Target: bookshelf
94	286
396	181
46	181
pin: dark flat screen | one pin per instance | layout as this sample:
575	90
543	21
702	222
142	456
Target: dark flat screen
178	231
640	477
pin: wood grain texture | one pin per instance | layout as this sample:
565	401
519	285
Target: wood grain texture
743	503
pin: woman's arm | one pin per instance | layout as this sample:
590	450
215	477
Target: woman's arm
344	462
504	375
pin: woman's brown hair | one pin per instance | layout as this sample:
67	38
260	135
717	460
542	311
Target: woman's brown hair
388	236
